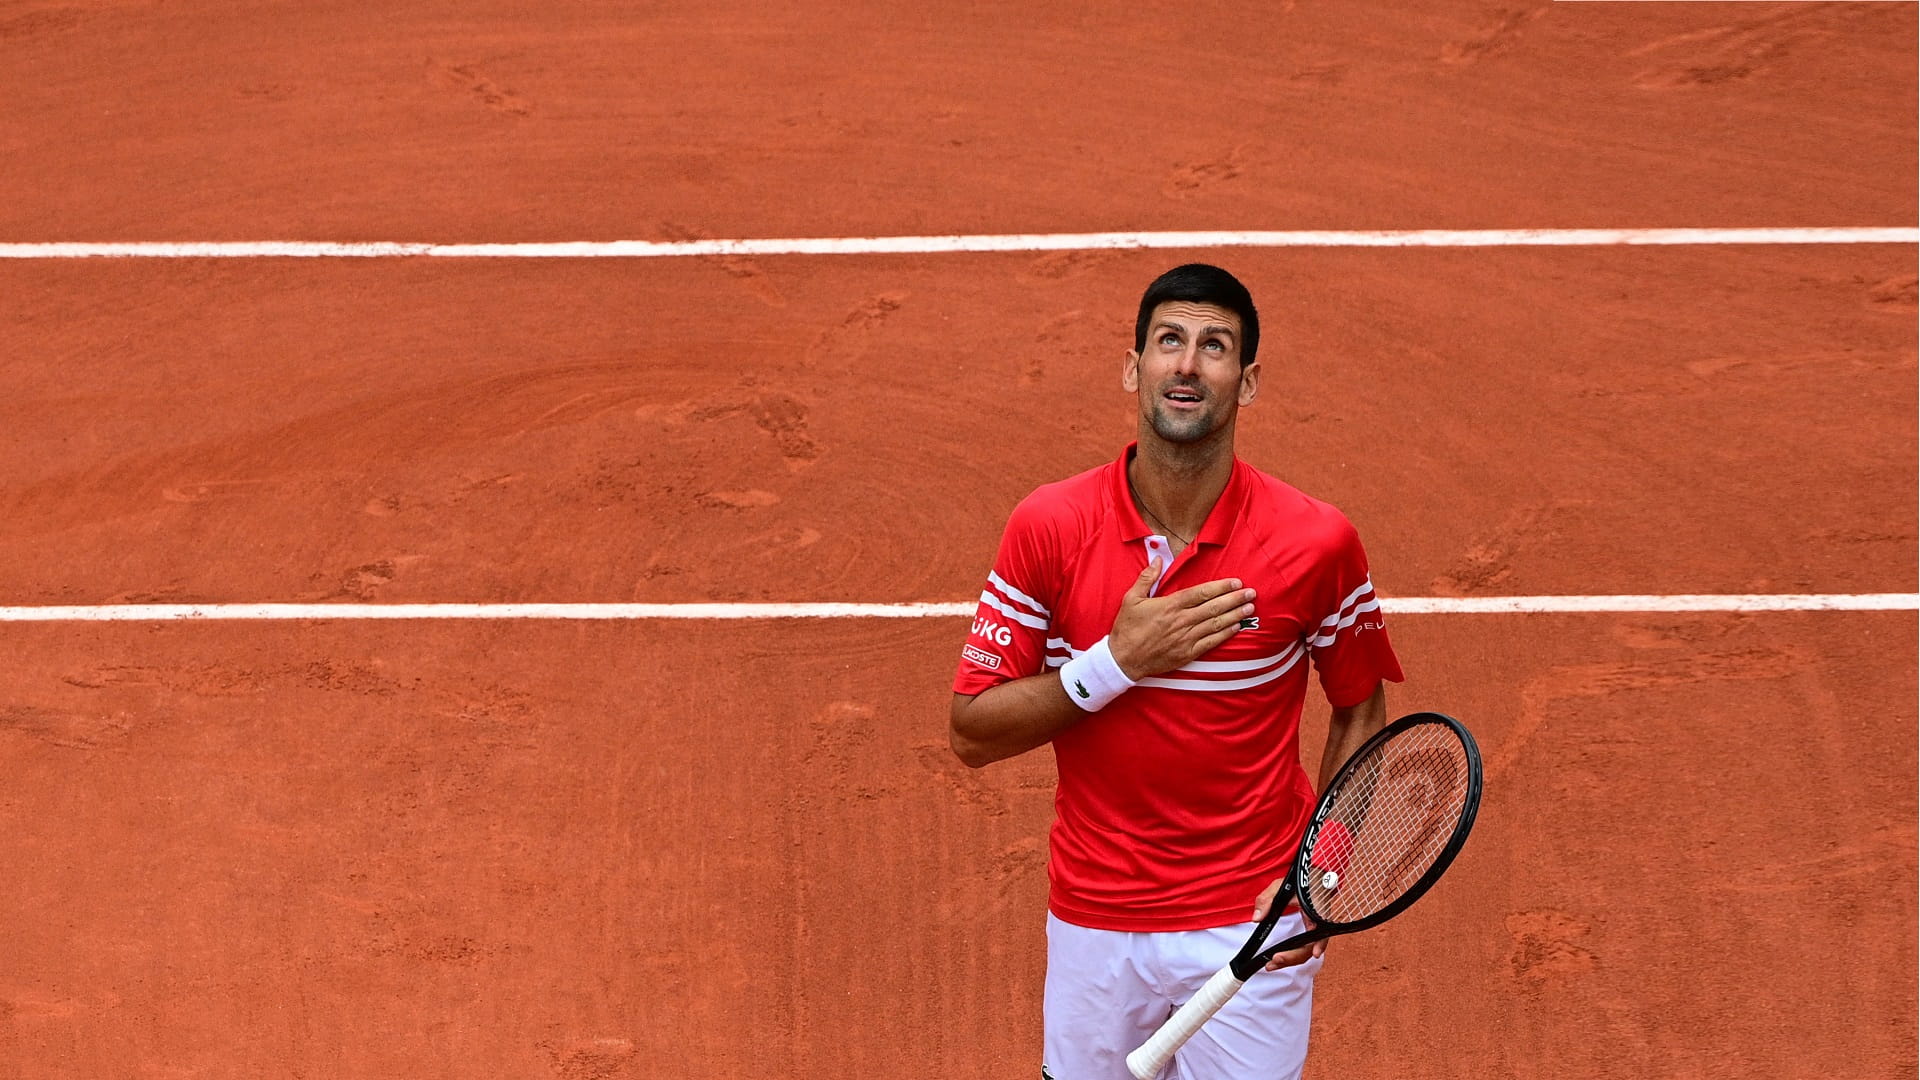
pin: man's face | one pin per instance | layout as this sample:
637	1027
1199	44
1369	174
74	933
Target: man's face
1188	375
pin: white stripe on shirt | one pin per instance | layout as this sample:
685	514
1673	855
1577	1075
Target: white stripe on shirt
1285	658
1227	684
1366	586
1015	595
1326	638
1243	665
1020	617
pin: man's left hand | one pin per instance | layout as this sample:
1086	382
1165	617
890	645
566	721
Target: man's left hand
1292	956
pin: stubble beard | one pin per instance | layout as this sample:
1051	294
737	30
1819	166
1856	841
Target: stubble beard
1184	429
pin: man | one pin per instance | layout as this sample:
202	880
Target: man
1178	591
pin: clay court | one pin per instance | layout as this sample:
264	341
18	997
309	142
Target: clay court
717	848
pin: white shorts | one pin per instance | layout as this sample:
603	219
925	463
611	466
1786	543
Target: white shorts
1108	990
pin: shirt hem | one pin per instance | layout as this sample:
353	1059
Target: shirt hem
1135	923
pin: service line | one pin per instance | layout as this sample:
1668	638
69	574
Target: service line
1431	605
935	245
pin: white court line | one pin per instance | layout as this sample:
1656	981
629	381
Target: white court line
1440	605
930	245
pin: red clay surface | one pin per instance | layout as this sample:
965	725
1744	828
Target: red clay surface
506	120
716	850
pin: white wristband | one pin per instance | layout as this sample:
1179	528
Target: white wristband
1092	679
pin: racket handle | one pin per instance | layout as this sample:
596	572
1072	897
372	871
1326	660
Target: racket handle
1153	1055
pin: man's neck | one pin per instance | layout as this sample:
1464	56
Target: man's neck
1180	483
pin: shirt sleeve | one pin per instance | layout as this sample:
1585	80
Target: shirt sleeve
1350	645
1009	635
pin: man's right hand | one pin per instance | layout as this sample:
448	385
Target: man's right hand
1156	634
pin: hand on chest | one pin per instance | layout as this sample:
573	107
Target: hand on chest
1263	637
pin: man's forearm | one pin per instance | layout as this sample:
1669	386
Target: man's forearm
1348	728
1011	718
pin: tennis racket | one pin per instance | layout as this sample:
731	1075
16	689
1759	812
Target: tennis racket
1387	826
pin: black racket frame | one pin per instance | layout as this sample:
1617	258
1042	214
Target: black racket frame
1252	957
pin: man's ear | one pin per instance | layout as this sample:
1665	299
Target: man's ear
1130	372
1249	383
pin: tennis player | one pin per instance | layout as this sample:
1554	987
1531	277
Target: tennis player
1154	619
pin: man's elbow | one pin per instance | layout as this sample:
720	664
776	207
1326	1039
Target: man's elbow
971	751
971	754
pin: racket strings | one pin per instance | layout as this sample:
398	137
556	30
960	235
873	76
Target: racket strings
1401	806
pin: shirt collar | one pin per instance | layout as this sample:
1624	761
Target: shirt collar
1220	520
1132	527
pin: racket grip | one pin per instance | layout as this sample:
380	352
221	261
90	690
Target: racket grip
1153	1055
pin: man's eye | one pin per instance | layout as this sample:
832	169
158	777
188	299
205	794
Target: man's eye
1215	346
1169	339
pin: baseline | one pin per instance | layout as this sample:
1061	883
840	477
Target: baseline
929	245
1436	605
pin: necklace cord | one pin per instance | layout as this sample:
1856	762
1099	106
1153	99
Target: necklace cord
1142	503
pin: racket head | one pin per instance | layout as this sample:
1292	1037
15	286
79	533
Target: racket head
1389	824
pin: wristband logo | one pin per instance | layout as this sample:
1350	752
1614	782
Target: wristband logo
982	657
1081	689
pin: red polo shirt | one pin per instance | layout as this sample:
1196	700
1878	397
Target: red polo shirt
1183	798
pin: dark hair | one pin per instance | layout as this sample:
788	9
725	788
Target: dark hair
1199	283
